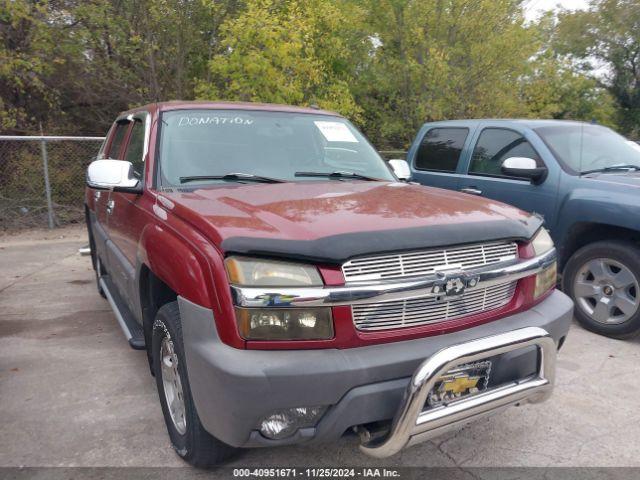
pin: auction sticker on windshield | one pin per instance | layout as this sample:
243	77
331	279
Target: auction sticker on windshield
336	132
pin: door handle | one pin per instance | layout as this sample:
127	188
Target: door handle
110	205
471	190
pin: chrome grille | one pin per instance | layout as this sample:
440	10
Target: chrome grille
427	310
425	262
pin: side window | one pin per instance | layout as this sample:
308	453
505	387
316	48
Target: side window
118	137
441	148
136	147
496	145
102	153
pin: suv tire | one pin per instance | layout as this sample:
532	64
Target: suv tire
188	437
601	276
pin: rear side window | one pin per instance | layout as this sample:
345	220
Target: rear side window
441	148
118	137
136	147
494	146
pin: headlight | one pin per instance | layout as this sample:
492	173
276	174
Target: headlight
285	323
256	272
546	279
542	242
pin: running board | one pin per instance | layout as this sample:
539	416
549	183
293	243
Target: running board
130	327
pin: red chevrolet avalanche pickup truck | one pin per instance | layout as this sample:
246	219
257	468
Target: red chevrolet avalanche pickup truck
289	288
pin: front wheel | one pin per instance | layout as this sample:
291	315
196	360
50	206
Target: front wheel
603	279
188	437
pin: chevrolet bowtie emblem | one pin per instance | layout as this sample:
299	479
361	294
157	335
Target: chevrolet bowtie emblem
454	284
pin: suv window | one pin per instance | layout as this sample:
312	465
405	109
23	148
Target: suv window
440	149
118	137
136	147
496	145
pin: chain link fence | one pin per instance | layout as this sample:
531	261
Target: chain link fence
393	154
42	180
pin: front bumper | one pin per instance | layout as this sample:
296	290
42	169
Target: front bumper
234	389
414	424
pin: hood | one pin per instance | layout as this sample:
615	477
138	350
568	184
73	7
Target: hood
613	180
332	221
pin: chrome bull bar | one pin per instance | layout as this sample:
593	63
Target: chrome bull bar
412	424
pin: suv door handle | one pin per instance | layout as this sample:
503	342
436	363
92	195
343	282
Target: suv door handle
471	190
110	205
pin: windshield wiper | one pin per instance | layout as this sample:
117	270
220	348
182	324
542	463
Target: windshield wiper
338	174
612	168
232	177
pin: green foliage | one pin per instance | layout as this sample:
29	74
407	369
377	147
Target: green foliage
25	63
442	59
296	52
388	64
604	42
554	90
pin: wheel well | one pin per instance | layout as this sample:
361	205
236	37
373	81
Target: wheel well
154	293
583	233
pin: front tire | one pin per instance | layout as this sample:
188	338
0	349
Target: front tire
603	279
188	437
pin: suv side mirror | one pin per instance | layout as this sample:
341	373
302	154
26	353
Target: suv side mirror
401	169
525	168
116	175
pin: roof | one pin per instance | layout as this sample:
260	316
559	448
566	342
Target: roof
268	107
527	122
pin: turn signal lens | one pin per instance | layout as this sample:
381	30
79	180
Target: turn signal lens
285	323
546	280
257	272
542	242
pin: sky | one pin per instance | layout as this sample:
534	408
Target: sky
533	8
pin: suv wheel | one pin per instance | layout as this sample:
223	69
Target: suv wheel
603	279
188	437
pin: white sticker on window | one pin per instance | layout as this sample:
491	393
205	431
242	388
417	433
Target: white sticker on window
336	132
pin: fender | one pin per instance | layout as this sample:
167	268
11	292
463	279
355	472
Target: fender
588	205
176	264
192	267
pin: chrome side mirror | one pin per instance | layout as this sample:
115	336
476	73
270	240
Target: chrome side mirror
524	167
116	175
401	169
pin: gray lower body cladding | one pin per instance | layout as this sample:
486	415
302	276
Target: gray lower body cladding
234	389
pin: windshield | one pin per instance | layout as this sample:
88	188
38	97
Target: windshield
584	147
215	143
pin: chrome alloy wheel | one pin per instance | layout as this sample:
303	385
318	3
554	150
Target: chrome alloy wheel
172	385
607	291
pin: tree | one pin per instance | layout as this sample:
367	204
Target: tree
72	66
554	90
442	59
390	65
26	62
605	42
294	52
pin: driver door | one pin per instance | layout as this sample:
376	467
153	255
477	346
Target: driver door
483	175
102	198
126	217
